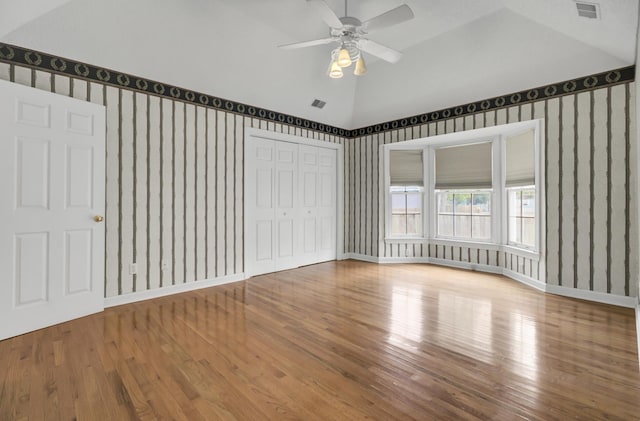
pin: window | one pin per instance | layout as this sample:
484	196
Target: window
522	216
464	214
406	211
406	192
520	187
474	186
463	191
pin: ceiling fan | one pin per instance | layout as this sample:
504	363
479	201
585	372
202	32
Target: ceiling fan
350	33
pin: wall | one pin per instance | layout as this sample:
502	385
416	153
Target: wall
174	176
174	179
590	166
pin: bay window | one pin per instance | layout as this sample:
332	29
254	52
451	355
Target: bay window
478	186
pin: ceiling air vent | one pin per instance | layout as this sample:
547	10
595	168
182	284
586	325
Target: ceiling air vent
318	103
588	10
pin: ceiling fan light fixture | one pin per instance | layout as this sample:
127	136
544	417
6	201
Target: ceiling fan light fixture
336	71
361	67
344	60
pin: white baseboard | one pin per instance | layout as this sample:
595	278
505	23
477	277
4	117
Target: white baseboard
170	290
466	265
599	297
638	328
362	257
523	279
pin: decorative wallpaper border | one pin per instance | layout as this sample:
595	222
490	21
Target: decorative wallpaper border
39	60
586	83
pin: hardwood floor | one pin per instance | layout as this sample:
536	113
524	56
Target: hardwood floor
340	340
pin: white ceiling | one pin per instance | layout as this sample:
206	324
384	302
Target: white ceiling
454	51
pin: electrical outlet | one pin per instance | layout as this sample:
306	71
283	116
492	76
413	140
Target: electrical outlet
133	268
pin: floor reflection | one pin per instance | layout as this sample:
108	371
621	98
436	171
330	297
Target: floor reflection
524	345
406	317
465	325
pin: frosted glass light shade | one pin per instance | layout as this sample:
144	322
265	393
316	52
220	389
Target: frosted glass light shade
336	71
361	68
343	58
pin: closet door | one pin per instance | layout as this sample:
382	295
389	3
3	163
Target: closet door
290	205
260	212
309	204
327	205
286	215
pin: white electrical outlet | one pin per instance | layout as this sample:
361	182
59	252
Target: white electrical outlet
133	268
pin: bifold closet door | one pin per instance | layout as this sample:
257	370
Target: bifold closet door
327	205
291	205
317	194
260	212
272	229
286	218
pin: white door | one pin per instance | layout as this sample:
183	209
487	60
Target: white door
52	188
327	205
260	213
286	212
291	205
272	214
309	204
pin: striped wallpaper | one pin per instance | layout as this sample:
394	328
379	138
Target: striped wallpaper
591	220
174	182
174	202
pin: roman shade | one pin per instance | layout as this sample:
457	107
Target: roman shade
520	160
405	167
464	167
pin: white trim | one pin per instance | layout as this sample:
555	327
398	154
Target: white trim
523	279
394	260
170	290
598	297
362	257
528	254
406	240
466	265
465	243
638	328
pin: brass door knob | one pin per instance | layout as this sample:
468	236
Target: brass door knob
98	218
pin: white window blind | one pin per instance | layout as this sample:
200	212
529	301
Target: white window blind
464	167
405	167
520	160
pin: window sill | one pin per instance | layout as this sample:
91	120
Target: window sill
522	252
405	240
529	254
465	243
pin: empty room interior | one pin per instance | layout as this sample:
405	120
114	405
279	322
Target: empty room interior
319	209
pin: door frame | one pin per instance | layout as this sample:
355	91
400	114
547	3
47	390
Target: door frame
251	132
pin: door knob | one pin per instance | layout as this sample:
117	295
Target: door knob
98	218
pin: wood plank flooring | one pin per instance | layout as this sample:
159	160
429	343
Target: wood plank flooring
339	340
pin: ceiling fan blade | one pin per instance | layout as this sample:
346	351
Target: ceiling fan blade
392	17
326	13
305	44
379	50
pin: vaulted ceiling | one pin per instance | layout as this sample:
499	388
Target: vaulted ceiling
455	51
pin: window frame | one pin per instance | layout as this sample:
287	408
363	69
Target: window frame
497	135
459	238
389	237
419	192
517	244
